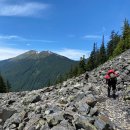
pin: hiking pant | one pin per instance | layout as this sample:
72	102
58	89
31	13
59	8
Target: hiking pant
113	87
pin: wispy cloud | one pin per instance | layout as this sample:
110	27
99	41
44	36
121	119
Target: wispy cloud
22	9
6	53
38	40
73	53
8	37
92	37
19	38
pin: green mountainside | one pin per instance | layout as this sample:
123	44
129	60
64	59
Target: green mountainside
33	70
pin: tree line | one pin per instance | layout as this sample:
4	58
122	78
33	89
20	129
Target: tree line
115	46
4	86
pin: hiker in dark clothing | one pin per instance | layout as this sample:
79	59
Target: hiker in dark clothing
111	80
86	76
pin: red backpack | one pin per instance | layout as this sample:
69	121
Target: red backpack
112	74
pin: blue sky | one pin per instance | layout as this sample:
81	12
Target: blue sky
67	27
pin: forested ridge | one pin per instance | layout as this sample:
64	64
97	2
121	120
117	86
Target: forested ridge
117	44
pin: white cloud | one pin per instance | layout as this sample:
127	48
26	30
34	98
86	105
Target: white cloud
22	9
92	37
8	37
6	53
38	40
19	38
73	53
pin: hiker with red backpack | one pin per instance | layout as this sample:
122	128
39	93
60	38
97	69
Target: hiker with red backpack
111	80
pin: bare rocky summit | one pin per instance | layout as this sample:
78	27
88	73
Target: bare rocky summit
73	105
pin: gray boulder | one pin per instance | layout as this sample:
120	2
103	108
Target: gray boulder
31	99
64	125
5	114
81	122
94	111
90	100
127	93
55	118
1	128
83	108
103	123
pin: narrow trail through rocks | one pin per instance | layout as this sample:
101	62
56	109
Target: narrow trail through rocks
116	110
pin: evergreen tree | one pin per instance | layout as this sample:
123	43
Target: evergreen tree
3	88
60	79
82	65
124	43
91	64
49	83
71	72
102	52
126	35
97	57
8	86
75	71
119	48
112	44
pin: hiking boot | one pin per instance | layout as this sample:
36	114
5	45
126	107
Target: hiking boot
109	95
114	96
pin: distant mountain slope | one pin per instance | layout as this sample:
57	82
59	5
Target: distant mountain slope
73	105
32	70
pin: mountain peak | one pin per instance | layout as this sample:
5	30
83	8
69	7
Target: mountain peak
46	52
33	54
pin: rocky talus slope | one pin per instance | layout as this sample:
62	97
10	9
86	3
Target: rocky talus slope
73	105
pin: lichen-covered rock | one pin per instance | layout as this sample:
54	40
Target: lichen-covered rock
6	114
31	99
103	123
31	124
82	122
94	111
83	108
127	93
15	119
21	126
64	125
128	68
55	118
45	127
90	100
